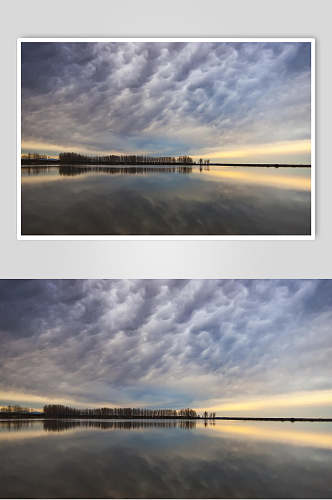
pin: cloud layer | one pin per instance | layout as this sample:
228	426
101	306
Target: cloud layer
170	98
164	343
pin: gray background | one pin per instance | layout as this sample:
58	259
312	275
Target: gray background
171	259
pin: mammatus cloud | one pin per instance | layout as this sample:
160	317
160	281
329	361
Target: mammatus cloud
229	100
212	343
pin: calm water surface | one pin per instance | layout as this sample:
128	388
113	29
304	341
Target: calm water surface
165	459
165	201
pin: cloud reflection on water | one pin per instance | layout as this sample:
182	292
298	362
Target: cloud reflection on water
167	462
224	202
264	175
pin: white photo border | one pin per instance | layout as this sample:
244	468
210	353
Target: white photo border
311	236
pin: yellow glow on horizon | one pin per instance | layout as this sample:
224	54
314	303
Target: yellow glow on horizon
278	401
278	148
44	146
23	397
292	147
291	400
20	397
39	147
11	397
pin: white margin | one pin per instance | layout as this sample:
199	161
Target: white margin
170	237
18	139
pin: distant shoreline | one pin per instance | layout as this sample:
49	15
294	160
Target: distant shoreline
277	419
55	163
258	419
274	165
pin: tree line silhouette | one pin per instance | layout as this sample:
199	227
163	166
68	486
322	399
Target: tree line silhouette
61	411
70	158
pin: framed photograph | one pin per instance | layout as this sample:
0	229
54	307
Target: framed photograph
157	138
170	389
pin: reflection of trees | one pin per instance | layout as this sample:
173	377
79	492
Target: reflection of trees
66	425
15	425
39	170
71	170
75	170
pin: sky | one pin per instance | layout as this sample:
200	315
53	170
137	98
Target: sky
236	102
237	347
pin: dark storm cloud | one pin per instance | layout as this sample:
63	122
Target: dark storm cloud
167	343
164	96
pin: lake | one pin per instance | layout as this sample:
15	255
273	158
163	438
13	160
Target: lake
164	459
91	200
